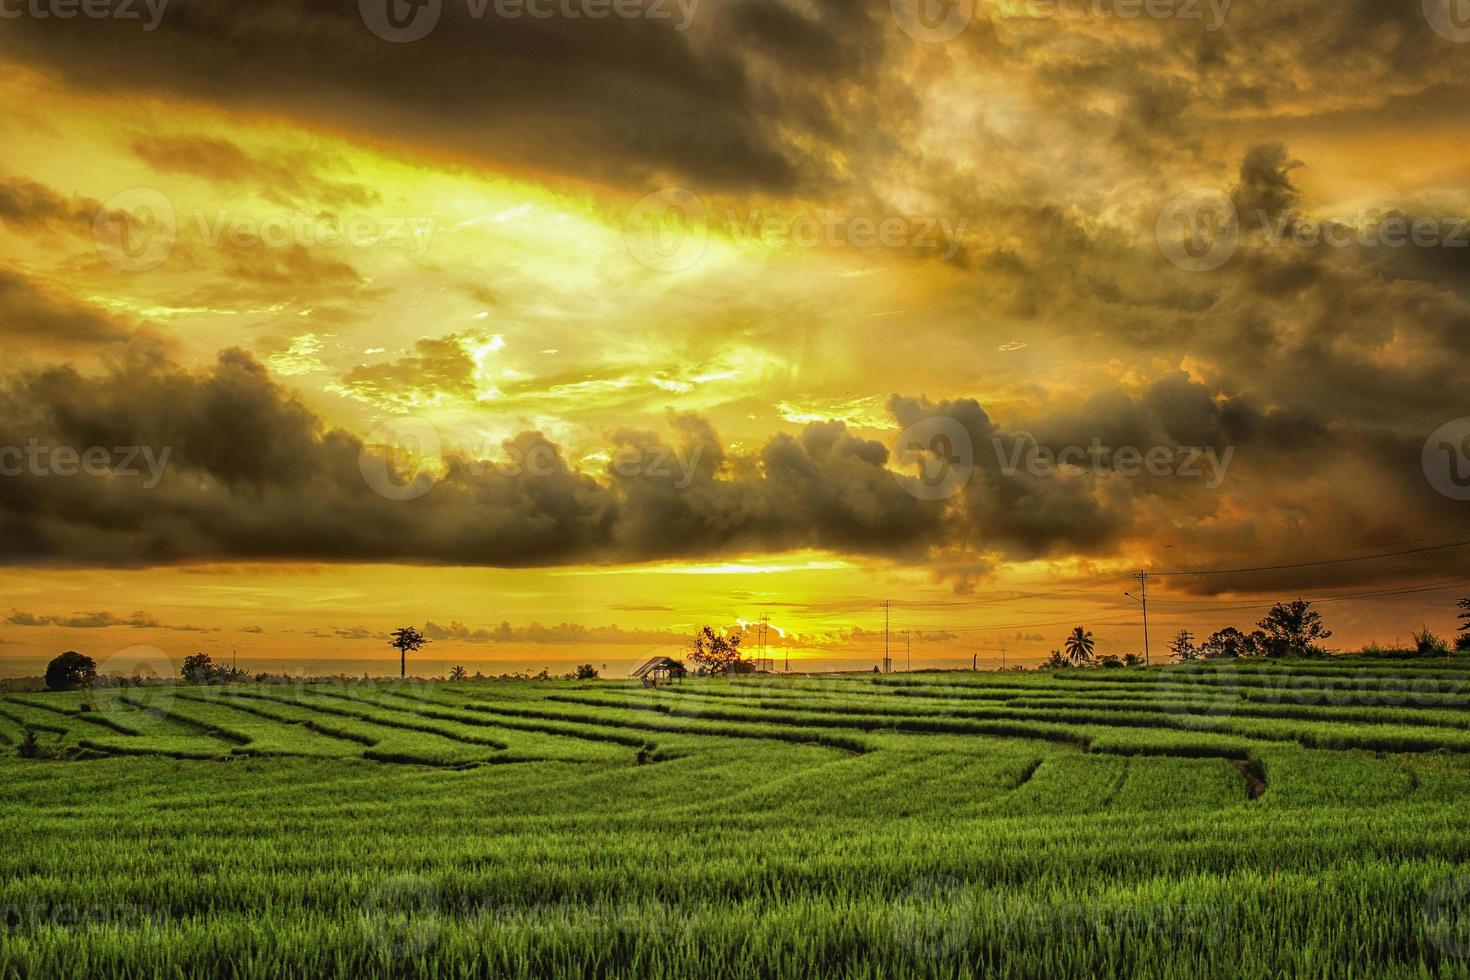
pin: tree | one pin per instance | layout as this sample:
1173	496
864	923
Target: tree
406	640
198	669
1462	642
1111	661
1183	648
69	671
585	672
458	673
1293	629
1079	646
1228	643
1132	660
1054	662
717	654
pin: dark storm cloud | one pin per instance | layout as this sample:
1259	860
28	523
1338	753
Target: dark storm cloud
252	474
613	96
33	318
287	180
1266	189
97	620
28	204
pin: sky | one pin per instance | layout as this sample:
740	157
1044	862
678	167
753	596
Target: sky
561	329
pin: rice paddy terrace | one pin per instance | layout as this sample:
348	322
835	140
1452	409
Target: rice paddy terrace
1257	819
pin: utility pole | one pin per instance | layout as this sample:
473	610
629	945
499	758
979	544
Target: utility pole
1143	598
1002	654
887	660
909	649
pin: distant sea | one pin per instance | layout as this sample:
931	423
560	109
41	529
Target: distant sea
28	665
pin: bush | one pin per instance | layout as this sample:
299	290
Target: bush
70	671
31	747
201	669
1427	644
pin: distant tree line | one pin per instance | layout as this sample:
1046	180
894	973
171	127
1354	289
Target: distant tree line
1290	629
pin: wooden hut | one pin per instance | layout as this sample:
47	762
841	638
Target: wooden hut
660	670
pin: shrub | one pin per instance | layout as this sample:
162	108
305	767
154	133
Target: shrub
1427	644
31	746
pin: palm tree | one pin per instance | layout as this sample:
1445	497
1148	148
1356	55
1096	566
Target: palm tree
1079	645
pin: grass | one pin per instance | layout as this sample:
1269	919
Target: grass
1078	823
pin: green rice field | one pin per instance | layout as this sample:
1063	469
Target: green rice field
1239	819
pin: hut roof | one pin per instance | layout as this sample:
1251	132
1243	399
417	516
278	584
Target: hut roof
658	663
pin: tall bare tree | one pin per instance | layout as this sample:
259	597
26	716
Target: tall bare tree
406	640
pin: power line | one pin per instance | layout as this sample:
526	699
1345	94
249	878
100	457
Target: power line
1314	564
1207	605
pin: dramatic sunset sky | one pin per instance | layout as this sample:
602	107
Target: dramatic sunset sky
630	288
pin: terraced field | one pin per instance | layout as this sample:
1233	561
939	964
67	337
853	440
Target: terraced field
1248	819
